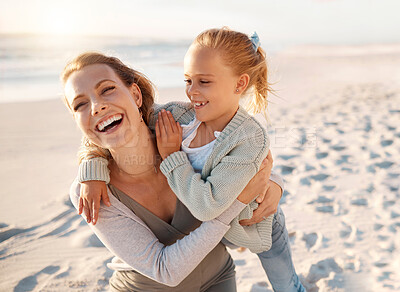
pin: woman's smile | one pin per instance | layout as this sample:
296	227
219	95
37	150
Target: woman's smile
109	124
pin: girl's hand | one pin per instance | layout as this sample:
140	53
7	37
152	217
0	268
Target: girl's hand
267	207
89	200
259	183
168	133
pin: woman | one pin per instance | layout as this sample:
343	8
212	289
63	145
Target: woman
159	243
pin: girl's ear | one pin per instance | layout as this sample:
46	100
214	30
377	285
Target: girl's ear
242	83
137	94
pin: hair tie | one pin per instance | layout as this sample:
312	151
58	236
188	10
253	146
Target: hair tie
255	40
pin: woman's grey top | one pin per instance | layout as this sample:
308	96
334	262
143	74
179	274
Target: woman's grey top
137	248
214	268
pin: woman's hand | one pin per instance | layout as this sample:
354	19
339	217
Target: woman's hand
267	207
168	133
89	200
259	184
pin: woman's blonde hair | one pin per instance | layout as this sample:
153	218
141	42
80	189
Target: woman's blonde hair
127	75
238	52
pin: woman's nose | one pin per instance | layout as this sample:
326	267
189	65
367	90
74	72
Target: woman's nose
98	107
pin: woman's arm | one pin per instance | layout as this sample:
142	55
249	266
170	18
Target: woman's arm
127	237
267	206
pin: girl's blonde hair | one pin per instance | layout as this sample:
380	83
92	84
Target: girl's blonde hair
127	75
238	52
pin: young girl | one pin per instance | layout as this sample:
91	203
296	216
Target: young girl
222	145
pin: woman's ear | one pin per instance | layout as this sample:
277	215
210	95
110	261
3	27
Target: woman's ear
242	83
137	94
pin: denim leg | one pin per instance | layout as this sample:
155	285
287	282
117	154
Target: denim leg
277	262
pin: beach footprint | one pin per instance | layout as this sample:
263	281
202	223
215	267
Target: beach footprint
29	283
345	231
9	232
323	269
313	240
260	287
350	233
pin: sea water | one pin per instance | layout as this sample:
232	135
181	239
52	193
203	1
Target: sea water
30	65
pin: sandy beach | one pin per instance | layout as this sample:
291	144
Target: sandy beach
335	137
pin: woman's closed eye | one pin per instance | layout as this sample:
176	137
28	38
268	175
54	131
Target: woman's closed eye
107	89
79	105
188	81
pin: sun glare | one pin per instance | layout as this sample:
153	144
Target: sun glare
58	21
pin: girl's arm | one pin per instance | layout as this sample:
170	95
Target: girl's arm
208	198
127	237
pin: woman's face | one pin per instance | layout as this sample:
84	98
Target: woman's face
105	109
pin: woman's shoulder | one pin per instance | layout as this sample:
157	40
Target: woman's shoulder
173	105
182	112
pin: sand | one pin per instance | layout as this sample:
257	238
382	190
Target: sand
335	137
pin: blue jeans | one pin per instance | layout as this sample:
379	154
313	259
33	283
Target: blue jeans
277	262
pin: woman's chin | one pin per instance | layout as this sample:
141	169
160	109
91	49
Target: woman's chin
113	142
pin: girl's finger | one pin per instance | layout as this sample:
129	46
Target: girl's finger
179	128
167	124
158	133
95	208
80	206
105	198
161	124
172	122
264	163
86	210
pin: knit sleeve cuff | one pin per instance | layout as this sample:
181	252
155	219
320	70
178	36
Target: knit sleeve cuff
173	161
94	169
276	178
232	212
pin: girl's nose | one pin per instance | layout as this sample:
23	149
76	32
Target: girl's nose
192	90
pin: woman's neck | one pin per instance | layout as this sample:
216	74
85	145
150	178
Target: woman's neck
138	161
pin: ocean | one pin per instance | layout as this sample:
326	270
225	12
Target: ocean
30	64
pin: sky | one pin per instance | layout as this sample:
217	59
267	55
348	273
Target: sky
307	21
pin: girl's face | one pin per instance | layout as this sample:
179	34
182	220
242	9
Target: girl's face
105	109
211	86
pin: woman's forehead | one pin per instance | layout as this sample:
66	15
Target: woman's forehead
88	77
93	73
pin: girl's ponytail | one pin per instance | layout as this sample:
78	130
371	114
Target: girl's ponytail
244	56
259	81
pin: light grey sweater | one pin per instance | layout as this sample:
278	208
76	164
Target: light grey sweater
136	247
235	159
